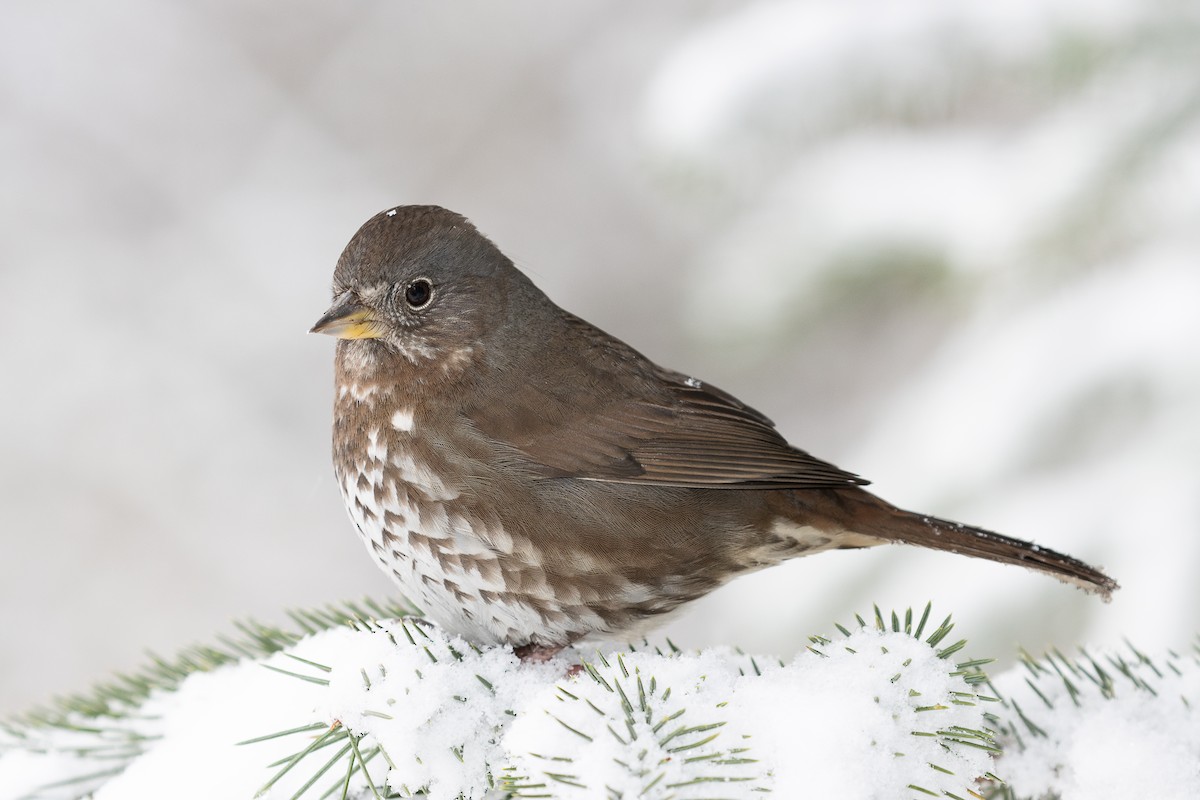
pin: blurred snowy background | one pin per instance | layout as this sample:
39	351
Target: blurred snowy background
952	247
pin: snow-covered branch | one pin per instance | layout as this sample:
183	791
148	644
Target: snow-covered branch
394	708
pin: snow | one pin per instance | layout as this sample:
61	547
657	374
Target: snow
24	772
202	722
435	706
820	720
1142	741
871	714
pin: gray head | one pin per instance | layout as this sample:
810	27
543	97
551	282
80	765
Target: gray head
420	281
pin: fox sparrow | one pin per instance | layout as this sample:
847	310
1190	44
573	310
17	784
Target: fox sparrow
528	479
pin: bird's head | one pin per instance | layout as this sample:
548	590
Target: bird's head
420	283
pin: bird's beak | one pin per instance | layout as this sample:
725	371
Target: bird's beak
349	319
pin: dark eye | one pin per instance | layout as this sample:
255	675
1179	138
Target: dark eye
418	293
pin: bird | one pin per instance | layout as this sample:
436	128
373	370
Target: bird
528	480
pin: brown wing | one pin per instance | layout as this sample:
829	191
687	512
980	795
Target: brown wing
596	409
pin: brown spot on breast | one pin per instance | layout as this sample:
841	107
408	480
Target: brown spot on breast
459	594
487	569
416	540
511	578
551	615
447	559
366	511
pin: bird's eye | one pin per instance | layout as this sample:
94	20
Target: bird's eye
418	293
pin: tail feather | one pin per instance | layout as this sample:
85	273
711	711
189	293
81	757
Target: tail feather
940	534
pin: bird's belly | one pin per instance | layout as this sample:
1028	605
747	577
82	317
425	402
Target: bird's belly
468	576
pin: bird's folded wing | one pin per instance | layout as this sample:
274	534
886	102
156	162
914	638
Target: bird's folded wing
676	431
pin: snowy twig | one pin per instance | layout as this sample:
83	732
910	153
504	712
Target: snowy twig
362	702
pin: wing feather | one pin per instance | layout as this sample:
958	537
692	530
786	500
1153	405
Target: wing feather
600	411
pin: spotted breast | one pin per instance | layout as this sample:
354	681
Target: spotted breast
447	551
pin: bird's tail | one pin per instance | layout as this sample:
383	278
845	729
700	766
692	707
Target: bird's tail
898	525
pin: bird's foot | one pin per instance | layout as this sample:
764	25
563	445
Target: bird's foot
540	654
537	653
